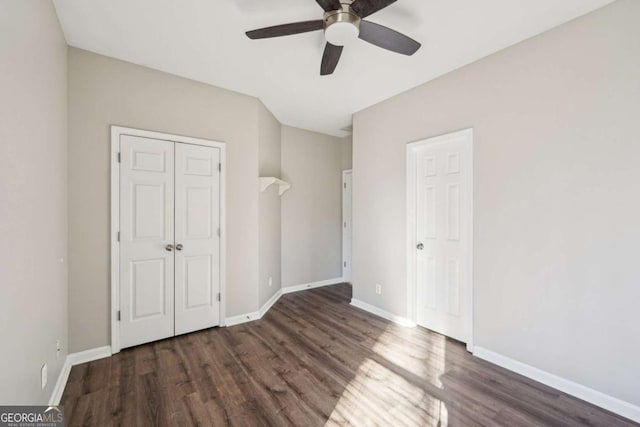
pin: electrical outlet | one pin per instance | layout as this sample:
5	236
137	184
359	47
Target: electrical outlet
270	281
43	374
58	349
378	289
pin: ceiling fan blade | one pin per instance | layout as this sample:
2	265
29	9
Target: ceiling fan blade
330	59
364	8
329	5
387	38
286	29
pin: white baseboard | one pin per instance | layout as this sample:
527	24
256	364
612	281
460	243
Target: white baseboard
312	285
242	318
250	317
267	305
610	403
61	383
71	360
89	355
402	321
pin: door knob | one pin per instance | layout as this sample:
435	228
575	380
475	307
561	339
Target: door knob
179	247
420	246
169	248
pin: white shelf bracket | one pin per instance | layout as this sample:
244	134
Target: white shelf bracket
266	181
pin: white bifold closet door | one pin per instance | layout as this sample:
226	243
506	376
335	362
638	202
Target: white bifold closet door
169	239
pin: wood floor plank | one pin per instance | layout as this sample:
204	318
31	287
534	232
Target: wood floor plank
314	360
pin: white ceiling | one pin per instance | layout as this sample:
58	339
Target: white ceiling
204	40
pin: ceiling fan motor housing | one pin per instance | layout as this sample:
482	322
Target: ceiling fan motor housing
341	26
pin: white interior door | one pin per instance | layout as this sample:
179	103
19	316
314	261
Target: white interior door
444	234
197	231
347	194
146	232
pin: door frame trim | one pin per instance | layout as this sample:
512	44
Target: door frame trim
344	177
411	168
116	132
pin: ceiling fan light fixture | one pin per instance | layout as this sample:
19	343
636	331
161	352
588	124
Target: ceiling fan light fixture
341	33
341	27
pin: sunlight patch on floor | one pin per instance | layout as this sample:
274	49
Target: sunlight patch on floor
379	397
425	359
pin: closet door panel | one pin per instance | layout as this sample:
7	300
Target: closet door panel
146	232
197	228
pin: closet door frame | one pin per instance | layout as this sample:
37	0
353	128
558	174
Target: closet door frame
116	132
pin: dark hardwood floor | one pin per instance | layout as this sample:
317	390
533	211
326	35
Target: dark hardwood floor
313	360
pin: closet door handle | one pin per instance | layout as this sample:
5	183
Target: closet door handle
179	247
169	248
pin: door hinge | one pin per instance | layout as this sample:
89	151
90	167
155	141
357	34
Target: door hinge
118	236
345	185
218	296
345	225
345	264
218	232
118	315
219	167
119	157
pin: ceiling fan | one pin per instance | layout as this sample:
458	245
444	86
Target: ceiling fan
343	22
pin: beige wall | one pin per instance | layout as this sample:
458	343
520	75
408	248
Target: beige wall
557	196
312	208
104	92
269	206
347	152
33	199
